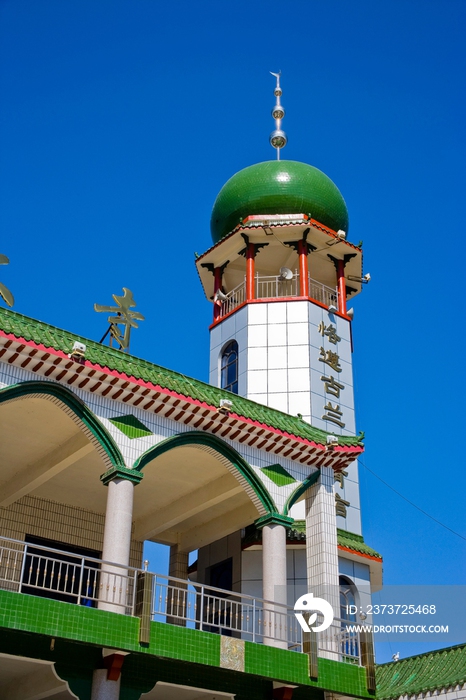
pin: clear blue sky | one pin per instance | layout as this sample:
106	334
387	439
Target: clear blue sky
120	122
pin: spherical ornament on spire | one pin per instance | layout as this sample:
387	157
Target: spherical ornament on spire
278	139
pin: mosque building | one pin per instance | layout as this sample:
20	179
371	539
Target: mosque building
256	471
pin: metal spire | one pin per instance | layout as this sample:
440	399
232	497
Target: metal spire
278	137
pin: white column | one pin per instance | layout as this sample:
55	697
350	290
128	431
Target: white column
113	595
117	543
275	623
103	689
274	563
322	549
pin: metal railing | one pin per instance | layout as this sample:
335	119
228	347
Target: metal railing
38	570
234	298
320	292
273	287
225	612
71	578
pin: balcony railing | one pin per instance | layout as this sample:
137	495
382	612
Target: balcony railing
273	287
52	573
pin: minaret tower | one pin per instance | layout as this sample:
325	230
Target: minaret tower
280	274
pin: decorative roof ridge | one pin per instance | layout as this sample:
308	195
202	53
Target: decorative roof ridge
350	535
22	327
297	532
422	673
433	652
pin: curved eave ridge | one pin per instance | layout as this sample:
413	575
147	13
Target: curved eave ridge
274	224
48	339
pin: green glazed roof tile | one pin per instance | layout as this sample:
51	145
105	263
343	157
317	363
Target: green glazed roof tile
355	542
43	334
444	668
297	532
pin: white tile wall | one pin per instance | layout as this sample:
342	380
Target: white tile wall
298	356
276	358
297	311
353	520
285	335
298	402
277	334
257	382
298	380
259	398
277	312
298	334
228	329
257	313
257	358
277	380
278	401
257	336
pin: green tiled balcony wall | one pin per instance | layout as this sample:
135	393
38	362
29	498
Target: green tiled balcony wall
55	619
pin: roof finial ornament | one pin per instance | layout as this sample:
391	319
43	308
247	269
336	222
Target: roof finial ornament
124	317
278	137
5	293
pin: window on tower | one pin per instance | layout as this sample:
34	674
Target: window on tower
229	367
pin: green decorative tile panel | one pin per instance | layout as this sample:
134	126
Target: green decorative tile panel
343	678
41	333
38	620
278	475
291	667
56	619
131	426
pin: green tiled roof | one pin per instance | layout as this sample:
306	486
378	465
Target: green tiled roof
434	670
297	532
355	542
51	337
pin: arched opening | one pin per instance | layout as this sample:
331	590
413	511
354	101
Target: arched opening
196	489
348	595
52	502
229	367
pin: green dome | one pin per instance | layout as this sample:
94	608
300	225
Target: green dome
278	187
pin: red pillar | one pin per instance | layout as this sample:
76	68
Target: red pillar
250	253
341	287
303	269
217	286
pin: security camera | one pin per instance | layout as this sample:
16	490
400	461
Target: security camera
225	406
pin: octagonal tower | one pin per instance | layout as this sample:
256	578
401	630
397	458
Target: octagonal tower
280	275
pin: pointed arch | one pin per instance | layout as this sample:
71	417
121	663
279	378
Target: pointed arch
302	488
232	460
76	409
